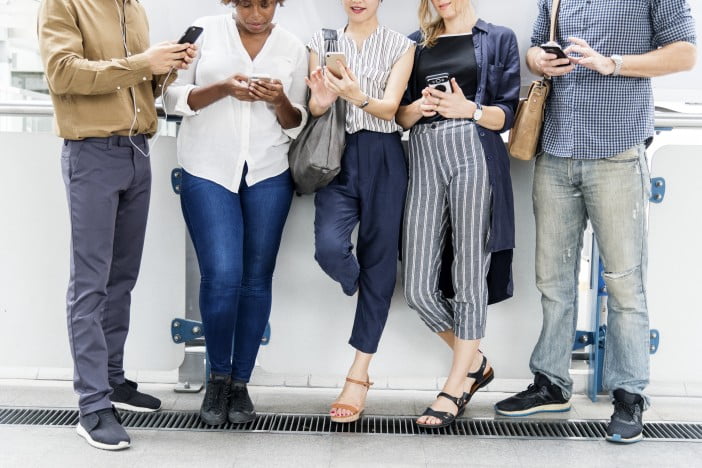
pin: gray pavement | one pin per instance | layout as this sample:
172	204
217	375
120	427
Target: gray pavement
41	446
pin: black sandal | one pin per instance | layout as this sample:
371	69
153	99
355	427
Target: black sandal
446	418
481	380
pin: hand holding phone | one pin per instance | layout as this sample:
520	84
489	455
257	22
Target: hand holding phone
555	49
332	59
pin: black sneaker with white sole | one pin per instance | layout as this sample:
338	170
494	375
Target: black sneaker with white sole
125	396
103	429
626	424
540	397
241	408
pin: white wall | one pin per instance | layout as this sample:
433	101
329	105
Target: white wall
303	17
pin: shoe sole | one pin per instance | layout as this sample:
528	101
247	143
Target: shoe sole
84	434
618	439
135	409
553	408
241	418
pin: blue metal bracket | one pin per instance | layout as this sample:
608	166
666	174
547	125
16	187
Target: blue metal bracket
183	330
657	190
176	178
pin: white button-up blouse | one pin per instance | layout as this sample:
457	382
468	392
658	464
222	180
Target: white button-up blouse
215	142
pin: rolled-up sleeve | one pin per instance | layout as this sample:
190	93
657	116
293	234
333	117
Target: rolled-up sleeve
507	97
672	22
175	99
298	91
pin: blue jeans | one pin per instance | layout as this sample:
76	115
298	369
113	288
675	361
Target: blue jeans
236	238
613	193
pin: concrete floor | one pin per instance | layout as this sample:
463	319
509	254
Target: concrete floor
39	446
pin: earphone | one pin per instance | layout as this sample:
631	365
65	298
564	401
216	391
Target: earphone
123	23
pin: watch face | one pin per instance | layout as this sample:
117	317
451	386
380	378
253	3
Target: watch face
478	114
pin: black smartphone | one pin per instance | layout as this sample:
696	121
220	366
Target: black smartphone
190	36
556	50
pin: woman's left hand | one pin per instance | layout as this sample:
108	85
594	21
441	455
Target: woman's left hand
345	86
269	91
452	105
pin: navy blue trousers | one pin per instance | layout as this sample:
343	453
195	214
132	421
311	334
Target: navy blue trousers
369	192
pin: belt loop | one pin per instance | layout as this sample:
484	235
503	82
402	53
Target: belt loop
109	142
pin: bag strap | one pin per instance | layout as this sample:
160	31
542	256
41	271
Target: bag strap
555	6
331	41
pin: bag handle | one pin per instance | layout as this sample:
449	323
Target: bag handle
555	6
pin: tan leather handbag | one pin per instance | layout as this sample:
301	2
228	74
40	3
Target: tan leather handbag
529	119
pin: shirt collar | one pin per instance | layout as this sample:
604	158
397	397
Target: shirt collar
480	25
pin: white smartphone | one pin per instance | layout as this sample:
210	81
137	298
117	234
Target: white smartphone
331	60
260	77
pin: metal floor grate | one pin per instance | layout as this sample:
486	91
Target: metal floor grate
394	425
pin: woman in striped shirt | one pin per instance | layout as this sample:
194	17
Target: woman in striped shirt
371	187
463	92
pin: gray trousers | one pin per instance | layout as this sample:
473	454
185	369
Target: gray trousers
108	184
448	183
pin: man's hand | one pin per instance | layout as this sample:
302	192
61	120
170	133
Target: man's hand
551	65
269	91
589	58
166	55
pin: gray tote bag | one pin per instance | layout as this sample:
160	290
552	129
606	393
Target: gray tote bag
315	155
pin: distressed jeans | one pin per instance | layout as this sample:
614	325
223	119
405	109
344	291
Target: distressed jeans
613	194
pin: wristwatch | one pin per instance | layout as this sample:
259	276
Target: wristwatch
365	102
618	62
478	114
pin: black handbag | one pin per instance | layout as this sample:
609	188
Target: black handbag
315	155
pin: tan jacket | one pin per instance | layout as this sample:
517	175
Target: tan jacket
92	79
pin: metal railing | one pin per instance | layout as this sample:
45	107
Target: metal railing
45	109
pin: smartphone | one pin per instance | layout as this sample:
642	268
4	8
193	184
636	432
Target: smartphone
260	77
190	36
331	59
555	49
440	81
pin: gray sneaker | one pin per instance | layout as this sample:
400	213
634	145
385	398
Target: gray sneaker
626	425
103	429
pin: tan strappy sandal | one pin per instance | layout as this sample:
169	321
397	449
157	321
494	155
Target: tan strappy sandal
355	412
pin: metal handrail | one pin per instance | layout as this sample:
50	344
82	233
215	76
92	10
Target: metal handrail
45	109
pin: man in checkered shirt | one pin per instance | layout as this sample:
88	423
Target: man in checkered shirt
599	118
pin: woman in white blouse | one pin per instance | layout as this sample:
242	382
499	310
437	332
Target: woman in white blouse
242	100
370	189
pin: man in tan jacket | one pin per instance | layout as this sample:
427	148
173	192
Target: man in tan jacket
103	78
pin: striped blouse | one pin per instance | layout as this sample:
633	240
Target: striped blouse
372	66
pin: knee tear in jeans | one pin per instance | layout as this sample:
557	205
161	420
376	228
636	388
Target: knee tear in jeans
619	275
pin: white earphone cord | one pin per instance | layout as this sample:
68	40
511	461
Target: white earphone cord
123	22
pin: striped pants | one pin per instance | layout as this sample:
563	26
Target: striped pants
448	182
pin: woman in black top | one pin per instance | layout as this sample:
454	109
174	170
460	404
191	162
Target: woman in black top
463	92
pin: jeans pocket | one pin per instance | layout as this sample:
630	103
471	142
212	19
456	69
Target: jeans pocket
70	155
630	155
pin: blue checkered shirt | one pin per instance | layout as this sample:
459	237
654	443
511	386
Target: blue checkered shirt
591	116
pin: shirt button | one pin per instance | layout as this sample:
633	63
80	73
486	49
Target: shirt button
119	87
433	125
143	78
138	110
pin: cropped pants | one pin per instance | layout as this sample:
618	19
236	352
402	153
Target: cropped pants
369	192
448	183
